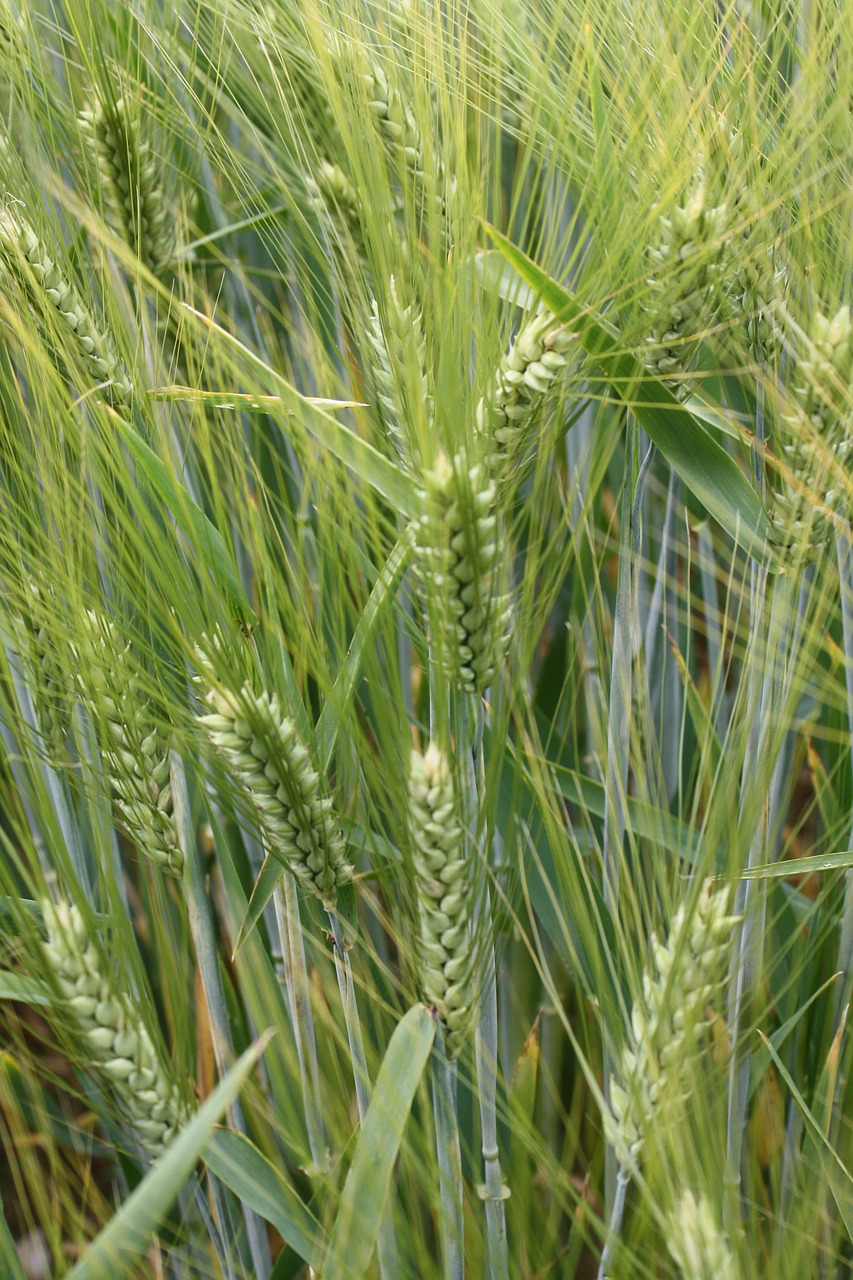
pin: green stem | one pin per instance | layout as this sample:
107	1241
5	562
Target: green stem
204	940
386	1243
298	996
449	1155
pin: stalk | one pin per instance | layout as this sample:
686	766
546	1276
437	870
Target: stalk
766	695
449	1155
493	1191
386	1243
618	745
298	996
204	940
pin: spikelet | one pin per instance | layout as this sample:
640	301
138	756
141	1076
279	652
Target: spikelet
443	889
24	256
697	1242
263	752
818	431
457	550
399	372
685	976
532	367
131	188
335	201
689	265
756	294
133	751
118	1042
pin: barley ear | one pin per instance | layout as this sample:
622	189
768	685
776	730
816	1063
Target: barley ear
697	1243
114	1034
817	431
459	559
23	255
684	977
442	878
263	752
399	372
530	370
128	175
135	755
688	267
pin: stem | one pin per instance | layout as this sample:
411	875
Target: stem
615	1225
298	996
493	1191
204	941
386	1244
449	1155
752	894
618	745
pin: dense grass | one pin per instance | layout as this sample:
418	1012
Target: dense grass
427	634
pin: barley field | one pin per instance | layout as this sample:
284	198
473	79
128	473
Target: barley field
426	639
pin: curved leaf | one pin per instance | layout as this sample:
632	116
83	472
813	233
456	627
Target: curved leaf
368	1181
116	1251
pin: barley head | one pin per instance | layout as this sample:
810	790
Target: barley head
530	370
818	431
23	255
442	878
400	372
459	558
135	754
131	187
688	265
115	1035
263	752
697	1242
685	975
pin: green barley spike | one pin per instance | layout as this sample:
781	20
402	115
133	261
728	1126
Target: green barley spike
442	877
684	977
129	177
689	265
399	130
25	258
819	430
115	1035
399	370
264	753
697	1242
134	753
529	371
458	554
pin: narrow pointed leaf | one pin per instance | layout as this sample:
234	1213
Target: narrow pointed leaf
16	986
238	1164
836	1172
366	1189
265	886
8	1253
116	1251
